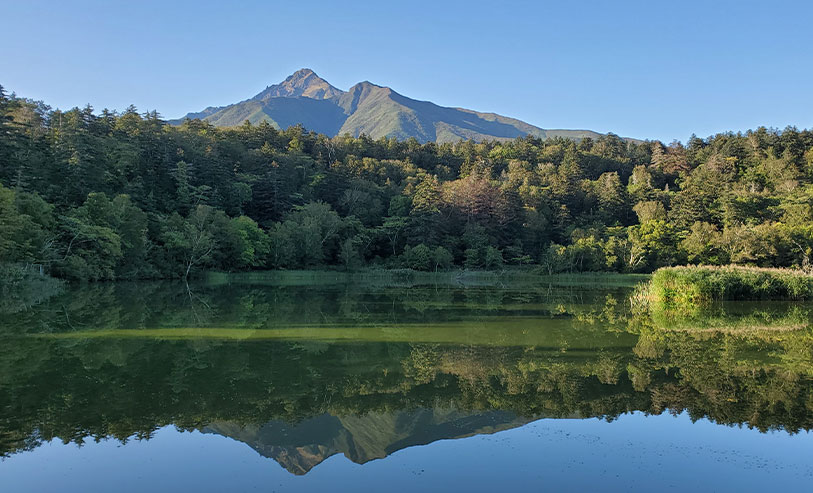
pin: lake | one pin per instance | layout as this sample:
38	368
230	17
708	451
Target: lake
313	382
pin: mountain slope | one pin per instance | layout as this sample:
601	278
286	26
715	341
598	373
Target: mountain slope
369	109
303	83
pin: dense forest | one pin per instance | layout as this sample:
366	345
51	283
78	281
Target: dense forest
125	195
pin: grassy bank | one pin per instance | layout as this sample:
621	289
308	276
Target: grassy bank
698	285
407	278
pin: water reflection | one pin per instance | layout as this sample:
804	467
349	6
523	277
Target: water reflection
299	447
303	372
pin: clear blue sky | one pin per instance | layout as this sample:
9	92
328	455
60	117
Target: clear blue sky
646	69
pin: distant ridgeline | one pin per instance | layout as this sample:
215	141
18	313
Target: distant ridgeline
305	98
114	196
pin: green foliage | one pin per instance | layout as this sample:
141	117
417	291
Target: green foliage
650	210
349	253
442	258
123	196
492	259
25	224
315	229
702	245
418	258
191	241
245	245
697	285
474	258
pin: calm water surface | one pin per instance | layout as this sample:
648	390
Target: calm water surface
258	383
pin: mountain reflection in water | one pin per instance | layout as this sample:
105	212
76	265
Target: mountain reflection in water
301	446
302	372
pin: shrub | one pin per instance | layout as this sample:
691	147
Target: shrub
418	257
493	258
701	284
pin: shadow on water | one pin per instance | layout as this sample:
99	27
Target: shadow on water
301	371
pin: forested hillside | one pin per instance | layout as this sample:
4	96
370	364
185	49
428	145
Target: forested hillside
118	196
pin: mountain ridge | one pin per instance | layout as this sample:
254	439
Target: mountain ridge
302	83
370	109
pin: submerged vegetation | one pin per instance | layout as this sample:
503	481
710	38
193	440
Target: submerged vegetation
125	195
697	285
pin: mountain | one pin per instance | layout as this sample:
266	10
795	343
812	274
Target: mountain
307	99
301	447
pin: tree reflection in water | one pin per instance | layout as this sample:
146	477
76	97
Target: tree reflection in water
303	372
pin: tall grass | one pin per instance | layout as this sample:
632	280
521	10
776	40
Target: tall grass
698	285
